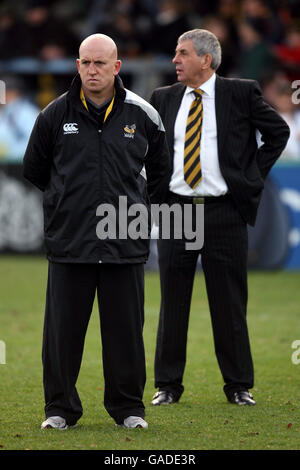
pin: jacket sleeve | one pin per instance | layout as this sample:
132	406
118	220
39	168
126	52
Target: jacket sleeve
157	163
38	154
274	131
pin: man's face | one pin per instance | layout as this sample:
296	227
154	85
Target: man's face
97	67
189	66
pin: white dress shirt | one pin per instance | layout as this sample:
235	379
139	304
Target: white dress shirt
212	183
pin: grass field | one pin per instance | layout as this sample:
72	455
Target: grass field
201	420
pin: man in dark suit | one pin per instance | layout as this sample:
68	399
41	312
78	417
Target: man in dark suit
211	124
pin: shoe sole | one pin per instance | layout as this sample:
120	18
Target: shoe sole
241	404
164	403
59	429
136	427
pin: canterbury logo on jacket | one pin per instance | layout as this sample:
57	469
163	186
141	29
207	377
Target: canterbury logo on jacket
79	165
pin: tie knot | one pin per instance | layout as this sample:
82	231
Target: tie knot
198	93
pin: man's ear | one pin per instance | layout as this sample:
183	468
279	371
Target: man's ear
207	60
117	67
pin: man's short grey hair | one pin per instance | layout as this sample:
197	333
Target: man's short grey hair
205	42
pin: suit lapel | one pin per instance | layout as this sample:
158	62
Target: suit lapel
172	114
223	94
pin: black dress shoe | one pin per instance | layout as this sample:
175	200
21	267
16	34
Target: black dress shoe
242	397
163	398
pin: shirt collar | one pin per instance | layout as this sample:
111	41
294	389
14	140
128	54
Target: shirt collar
207	87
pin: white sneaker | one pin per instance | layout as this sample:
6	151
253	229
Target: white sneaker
135	422
55	422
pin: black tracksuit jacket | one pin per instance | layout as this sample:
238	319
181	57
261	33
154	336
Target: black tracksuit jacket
80	166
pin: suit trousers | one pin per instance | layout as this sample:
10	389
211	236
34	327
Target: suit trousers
71	292
224	263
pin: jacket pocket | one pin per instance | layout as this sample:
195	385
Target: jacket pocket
51	205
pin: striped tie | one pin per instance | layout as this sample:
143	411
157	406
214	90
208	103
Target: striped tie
192	167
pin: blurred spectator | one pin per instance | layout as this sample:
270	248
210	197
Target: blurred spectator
293	7
228	11
9	33
204	8
17	118
272	28
46	90
127	22
125	35
256	35
171	21
98	15
229	48
255	58
291	113
272	83
43	36
288	53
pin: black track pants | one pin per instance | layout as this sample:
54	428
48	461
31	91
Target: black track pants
70	296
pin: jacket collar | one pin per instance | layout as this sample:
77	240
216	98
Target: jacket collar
74	92
207	87
223	96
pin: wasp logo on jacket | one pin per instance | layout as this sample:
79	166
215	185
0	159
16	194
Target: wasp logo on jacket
129	131
71	128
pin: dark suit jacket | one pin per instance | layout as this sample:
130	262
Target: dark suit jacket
240	110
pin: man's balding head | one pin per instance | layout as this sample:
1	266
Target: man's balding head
97	66
99	42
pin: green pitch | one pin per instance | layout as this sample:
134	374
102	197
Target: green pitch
201	420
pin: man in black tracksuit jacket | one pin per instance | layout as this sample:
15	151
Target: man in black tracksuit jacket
84	153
